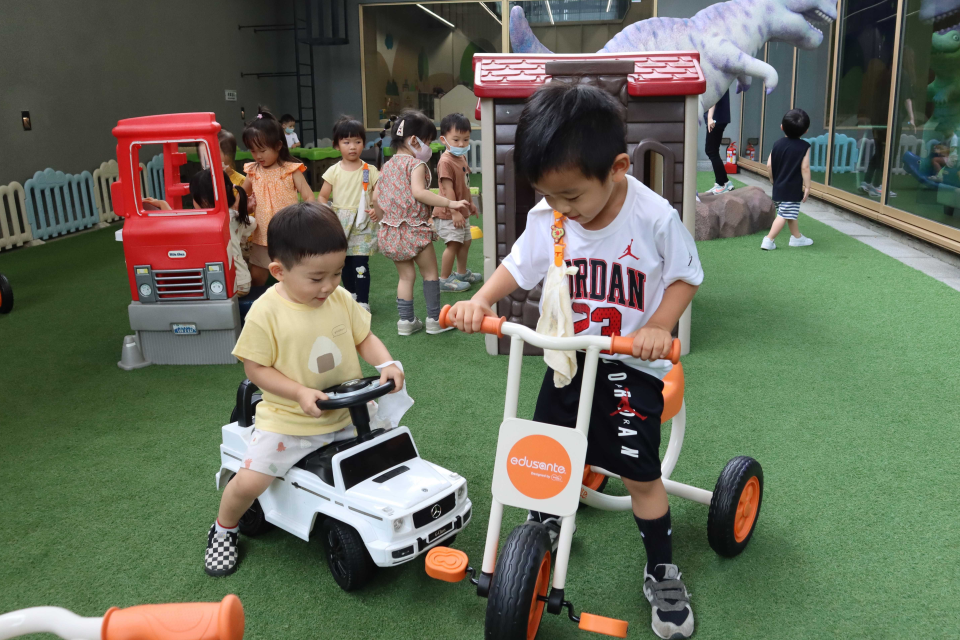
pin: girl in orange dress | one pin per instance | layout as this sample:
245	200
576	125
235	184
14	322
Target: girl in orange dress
275	180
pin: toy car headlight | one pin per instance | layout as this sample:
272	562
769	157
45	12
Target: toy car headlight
461	493
398	525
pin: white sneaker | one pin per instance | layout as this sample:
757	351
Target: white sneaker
768	244
802	241
671	615
870	190
408	327
365	305
433	327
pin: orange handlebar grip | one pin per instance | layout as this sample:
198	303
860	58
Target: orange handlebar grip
624	346
443	316
488	325
675	351
187	621
493	326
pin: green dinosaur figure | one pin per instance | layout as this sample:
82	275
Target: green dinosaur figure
944	91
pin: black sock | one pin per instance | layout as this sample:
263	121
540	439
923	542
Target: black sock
657	540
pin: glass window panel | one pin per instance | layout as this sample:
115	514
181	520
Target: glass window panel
420	56
580	26
751	124
867	30
814	71
780	57
924	166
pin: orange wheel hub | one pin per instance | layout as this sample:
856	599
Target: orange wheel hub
591	479
747	509
540	589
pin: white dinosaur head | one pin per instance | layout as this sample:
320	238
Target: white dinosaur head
799	22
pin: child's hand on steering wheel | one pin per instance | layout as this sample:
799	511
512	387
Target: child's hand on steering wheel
392	372
307	399
651	343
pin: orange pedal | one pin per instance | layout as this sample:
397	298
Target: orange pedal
606	626
449	565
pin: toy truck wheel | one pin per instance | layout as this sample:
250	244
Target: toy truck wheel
522	573
735	506
6	295
254	521
347	557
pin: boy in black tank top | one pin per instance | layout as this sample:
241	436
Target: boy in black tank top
789	166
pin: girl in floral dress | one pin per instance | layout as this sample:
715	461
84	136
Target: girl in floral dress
406	234
275	180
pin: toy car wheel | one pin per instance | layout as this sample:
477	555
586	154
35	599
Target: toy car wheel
254	521
6	295
735	506
520	579
593	480
347	556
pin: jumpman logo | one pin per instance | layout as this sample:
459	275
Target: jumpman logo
629	252
625	409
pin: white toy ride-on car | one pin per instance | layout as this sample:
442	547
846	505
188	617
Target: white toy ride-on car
376	501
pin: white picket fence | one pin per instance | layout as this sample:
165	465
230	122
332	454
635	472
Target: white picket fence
14	224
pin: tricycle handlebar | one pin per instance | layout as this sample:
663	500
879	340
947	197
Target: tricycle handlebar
500	327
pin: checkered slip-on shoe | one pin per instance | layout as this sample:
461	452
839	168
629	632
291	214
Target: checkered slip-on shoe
221	558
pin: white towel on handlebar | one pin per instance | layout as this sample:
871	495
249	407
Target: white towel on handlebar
557	320
388	411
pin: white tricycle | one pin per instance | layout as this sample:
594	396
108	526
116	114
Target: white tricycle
376	501
538	468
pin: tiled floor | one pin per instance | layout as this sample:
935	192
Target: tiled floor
934	262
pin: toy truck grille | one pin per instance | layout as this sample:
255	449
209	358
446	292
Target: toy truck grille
178	285
427	515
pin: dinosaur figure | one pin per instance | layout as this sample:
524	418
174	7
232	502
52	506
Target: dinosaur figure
944	91
726	34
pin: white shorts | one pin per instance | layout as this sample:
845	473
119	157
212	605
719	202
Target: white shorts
274	454
448	232
259	256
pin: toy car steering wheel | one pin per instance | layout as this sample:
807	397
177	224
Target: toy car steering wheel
355	393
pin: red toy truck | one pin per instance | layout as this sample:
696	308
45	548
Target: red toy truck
181	278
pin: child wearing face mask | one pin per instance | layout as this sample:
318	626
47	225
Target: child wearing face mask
453	228
406	235
351	184
289	124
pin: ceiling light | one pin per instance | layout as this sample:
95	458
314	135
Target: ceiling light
549	12
446	22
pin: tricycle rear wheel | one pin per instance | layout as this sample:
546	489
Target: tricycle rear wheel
521	577
735	506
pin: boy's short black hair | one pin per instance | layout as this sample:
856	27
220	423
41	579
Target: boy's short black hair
795	123
287	118
348	127
304	229
565	126
454	122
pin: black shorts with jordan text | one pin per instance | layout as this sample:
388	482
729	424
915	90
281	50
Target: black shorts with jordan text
624	433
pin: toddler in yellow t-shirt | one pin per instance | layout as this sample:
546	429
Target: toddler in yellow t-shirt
304	334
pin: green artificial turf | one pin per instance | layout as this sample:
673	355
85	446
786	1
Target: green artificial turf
834	365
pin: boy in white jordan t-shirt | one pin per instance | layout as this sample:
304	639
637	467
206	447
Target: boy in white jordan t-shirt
637	270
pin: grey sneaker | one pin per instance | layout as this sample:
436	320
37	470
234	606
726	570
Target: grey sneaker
451	285
469	276
552	523
433	327
718	189
671	615
409	327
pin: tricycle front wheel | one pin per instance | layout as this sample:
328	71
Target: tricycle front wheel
520	579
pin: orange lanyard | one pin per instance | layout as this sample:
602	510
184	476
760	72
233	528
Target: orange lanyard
366	176
557	233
